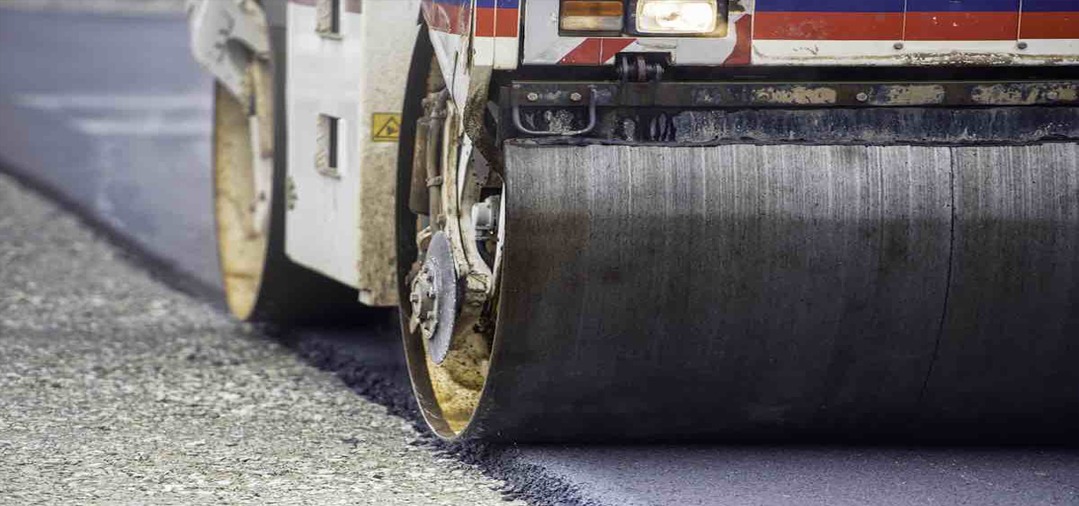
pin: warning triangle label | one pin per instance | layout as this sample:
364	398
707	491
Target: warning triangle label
385	127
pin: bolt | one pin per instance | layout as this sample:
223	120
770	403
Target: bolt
1021	45
1052	95
576	97
861	96
430	293
532	96
898	45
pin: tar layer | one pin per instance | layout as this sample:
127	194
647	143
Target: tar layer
117	389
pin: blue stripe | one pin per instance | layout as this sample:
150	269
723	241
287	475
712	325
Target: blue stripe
501	4
1051	5
829	6
962	5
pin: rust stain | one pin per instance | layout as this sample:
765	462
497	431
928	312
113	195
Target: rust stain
913	95
1025	94
800	95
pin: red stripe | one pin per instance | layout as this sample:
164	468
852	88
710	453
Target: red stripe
1049	25
919	26
492	22
595	51
828	25
742	52
507	23
962	25
485	22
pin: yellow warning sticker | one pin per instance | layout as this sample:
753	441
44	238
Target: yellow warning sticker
385	127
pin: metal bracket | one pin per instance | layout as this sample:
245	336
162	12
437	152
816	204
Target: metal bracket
567	133
799	95
641	68
226	37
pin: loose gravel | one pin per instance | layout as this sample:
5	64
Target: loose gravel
116	389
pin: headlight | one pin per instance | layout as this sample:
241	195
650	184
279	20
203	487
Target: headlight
677	16
591	16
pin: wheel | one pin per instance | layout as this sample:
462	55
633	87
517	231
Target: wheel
249	175
447	319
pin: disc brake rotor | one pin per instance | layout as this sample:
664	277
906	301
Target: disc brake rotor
434	298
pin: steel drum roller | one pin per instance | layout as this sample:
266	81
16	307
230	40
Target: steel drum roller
763	291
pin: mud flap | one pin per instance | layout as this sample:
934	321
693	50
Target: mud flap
749	291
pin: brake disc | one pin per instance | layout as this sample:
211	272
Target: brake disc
434	298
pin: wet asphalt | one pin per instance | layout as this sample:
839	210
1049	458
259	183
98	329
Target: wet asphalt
109	116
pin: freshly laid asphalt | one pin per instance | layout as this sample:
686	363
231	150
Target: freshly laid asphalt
110	116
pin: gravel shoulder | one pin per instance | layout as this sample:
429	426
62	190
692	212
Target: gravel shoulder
118	389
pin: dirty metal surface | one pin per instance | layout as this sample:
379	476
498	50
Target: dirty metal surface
777	291
798	94
861	111
1008	345
881	126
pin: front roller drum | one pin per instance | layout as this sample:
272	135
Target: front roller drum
761	292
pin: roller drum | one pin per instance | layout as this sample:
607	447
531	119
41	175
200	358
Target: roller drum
773	291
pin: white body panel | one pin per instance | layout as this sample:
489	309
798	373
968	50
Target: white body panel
341	225
743	44
915	53
323	78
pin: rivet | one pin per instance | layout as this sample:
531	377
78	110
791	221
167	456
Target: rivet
576	97
1021	45
862	96
898	45
1052	95
532	96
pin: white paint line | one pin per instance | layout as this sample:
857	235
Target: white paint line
124	8
142	127
116	102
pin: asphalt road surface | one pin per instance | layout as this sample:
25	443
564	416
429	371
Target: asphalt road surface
110	116
118	389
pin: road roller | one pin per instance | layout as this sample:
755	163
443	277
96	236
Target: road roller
662	220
